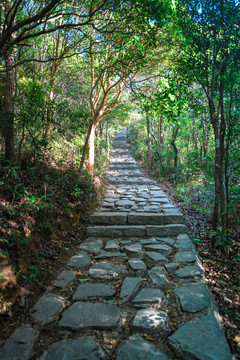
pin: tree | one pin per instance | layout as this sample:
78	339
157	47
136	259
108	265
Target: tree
210	52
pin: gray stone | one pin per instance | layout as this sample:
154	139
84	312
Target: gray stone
82	315
157	257
19	346
64	279
162	200
189	272
135	348
183	243
137	264
169	241
158	276
80	260
129	287
185	257
133	248
106	270
83	348
93	290
193	297
125	203
149	295
93	246
151	208
171	267
149	320
116	231
145	218
148	241
200	339
108	254
172	218
109	218
159	247
165	230
112	245
47	308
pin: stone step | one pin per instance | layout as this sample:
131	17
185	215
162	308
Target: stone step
118	231
132	218
127	180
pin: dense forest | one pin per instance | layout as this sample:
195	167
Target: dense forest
72	73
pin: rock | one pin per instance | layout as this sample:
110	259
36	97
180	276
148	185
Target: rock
106	269
149	320
193	297
185	257
183	243
165	230
125	203
129	287
135	348
171	267
200	339
167	240
145	218
19	346
108	254
93	290
47	308
109	218
64	279
159	247
93	246
133	248
82	315
80	260
158	276
149	295
189	272
112	245
157	257
137	264
82	348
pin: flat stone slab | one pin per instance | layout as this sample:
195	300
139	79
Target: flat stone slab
166	240
149	295
193	297
171	267
157	257
112	245
137	264
148	320
185	257
93	246
200	339
145	218
133	248
165	230
109	218
64	279
129	287
20	344
183	243
158	247
188	272
82	348
135	348
158	276
106	270
83	315
80	260
47	308
125	203
109	254
93	290
113	231
148	241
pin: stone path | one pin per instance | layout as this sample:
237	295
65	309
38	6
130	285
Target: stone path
135	290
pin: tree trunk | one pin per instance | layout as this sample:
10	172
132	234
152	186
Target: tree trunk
7	106
150	154
174	136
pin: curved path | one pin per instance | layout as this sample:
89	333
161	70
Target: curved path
134	291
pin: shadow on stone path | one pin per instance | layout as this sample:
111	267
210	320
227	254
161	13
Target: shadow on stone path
134	291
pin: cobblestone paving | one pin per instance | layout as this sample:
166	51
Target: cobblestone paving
135	290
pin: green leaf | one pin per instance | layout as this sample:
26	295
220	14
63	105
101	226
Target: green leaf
83	280
196	240
236	259
111	301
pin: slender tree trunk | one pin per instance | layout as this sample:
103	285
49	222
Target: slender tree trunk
7	106
150	154
174	136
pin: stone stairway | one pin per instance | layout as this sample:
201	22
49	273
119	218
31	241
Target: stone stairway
135	290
